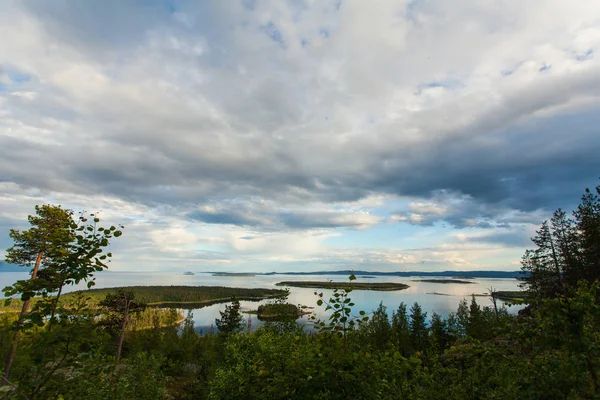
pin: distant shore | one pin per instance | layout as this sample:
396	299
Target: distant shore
381	286
442	281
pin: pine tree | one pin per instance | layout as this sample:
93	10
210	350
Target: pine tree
439	332
120	306
231	319
568	250
418	327
587	216
544	276
401	330
60	251
567	246
378	328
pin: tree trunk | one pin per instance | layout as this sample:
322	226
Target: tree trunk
125	315
55	306
556	265
15	342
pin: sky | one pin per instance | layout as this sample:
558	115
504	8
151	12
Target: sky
301	135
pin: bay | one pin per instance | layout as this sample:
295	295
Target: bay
441	298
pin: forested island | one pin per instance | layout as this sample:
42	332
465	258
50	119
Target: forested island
382	286
183	295
445	281
514	296
96	345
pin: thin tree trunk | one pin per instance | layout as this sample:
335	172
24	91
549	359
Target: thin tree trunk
55	306
493	296
15	342
120	347
556	265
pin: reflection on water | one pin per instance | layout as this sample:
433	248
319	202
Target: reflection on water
446	301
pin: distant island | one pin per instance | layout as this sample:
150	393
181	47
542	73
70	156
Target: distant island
232	274
6	267
367	277
442	281
189	273
441	274
381	286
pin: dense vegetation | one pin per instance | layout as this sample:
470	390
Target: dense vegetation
176	295
278	311
550	351
383	286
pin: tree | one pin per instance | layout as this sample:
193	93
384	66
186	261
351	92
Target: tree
59	250
568	250
544	272
231	319
476	326
587	216
567	244
401	330
418	326
439	333
378	328
119	307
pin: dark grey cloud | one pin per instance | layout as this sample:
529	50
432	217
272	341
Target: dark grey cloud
268	217
182	105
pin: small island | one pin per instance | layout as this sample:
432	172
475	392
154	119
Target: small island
446	281
380	286
278	312
367	277
513	296
232	274
189	273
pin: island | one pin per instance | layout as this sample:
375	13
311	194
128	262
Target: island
442	281
380	286
278	312
232	274
189	273
184	296
367	277
516	296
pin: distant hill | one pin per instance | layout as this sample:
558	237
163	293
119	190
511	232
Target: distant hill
6	267
456	274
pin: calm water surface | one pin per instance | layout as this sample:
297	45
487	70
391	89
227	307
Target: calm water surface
445	301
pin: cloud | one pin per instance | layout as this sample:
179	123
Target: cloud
268	216
281	117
